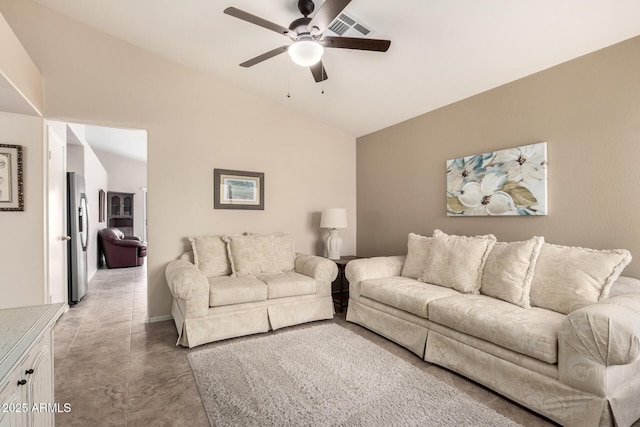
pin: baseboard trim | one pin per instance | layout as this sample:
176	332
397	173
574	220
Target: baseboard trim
158	319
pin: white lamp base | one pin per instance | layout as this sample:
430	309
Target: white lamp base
333	243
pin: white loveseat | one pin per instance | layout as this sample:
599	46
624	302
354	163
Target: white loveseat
231	286
553	328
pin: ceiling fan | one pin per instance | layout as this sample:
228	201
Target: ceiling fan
307	35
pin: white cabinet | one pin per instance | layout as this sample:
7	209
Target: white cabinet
26	366
11	398
37	371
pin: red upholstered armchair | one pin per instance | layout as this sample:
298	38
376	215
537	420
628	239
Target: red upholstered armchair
120	250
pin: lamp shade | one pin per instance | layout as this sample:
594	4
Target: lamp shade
306	52
334	218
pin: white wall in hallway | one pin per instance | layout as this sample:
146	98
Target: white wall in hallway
127	176
82	160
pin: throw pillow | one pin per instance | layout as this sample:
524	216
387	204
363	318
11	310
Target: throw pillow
567	278
210	255
417	253
457	261
509	270
251	255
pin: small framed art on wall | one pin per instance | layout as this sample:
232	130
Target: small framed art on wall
11	185
234	189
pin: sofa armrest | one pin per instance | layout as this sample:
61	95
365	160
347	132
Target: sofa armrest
607	333
128	243
132	238
319	268
187	283
374	268
371	268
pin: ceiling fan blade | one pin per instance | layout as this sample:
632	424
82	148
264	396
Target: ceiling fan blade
253	19
318	71
356	43
329	10
264	56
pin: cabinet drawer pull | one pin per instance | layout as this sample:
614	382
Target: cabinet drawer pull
29	371
22	382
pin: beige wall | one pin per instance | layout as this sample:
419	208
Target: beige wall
195	123
22	234
588	110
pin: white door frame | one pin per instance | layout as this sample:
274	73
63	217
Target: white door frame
56	226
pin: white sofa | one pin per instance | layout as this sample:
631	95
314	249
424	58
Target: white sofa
231	286
553	328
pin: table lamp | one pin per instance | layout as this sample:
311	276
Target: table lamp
333	218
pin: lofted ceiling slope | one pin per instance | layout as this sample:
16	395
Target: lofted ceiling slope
442	51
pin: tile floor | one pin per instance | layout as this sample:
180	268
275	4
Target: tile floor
116	370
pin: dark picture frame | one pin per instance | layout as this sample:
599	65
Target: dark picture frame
102	205
11	181
233	189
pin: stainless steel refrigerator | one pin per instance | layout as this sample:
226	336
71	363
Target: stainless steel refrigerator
78	230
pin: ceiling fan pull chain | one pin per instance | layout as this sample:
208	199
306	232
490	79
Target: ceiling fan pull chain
288	79
322	67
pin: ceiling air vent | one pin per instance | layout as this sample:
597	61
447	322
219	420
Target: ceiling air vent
349	26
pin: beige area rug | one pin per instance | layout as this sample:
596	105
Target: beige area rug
326	375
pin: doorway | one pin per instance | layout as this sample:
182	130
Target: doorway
109	159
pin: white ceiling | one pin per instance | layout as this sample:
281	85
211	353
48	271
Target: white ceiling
441	51
131	143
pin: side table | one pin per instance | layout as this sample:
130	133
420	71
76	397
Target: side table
340	286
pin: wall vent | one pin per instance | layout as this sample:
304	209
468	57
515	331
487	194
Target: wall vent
349	26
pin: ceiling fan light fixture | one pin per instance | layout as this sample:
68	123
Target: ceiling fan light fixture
306	52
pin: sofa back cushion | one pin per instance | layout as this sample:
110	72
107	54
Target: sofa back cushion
210	255
417	252
567	278
261	253
509	270
625	285
283	251
251	255
457	261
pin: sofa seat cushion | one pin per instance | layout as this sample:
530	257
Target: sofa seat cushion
288	284
404	293
227	290
532	332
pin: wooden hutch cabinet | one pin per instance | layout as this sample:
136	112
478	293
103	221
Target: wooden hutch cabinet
120	211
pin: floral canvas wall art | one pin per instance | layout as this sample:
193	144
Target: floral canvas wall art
504	182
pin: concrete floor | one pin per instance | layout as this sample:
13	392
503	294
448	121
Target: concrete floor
116	370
